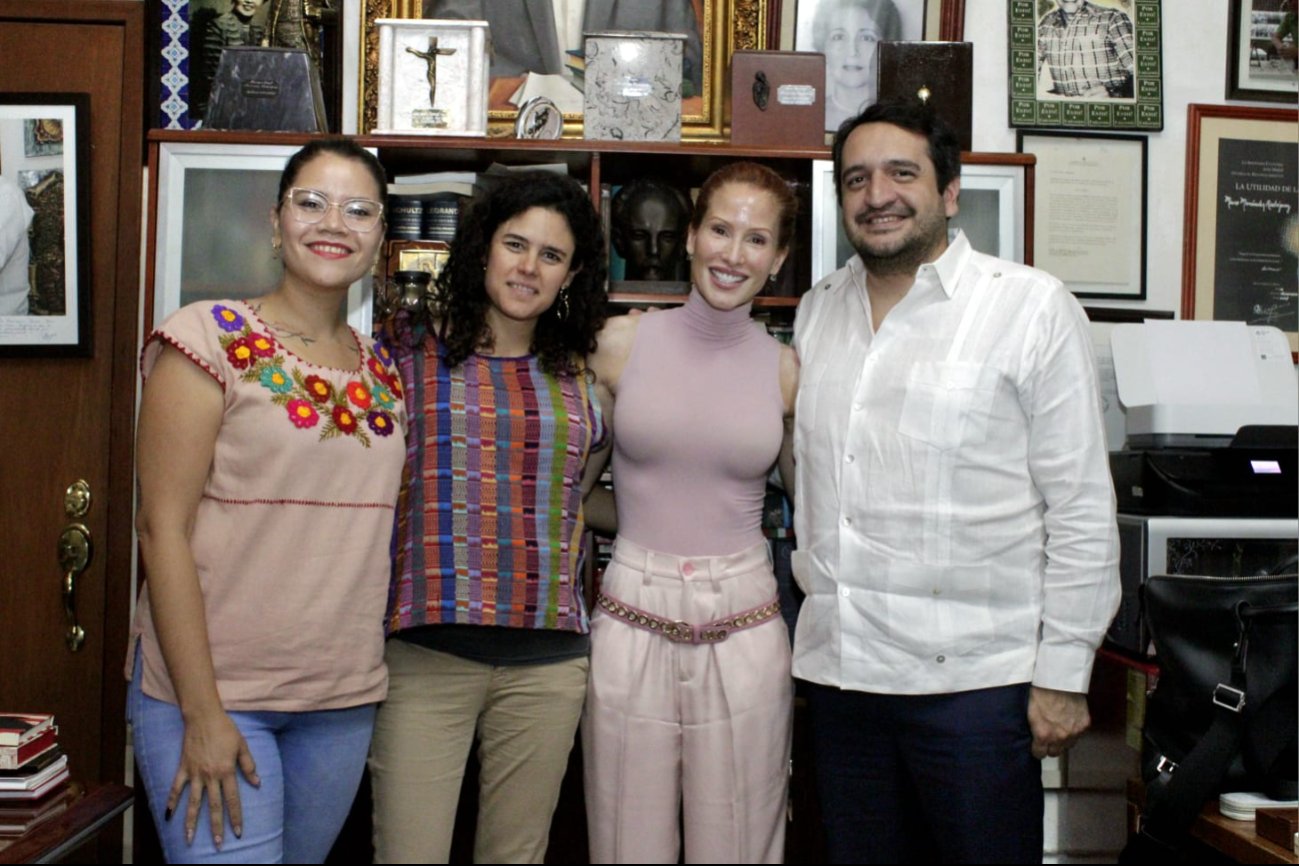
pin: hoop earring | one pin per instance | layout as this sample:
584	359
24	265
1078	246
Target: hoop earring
275	248
561	305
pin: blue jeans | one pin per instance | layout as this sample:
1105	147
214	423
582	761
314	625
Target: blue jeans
310	765
944	778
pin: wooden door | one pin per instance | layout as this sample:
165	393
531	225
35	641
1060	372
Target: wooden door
65	419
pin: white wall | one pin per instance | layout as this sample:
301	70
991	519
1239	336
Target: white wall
1195	63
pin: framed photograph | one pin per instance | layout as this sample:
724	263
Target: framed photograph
1086	64
213	235
1240	248
848	32
42	136
44	224
188	36
528	45
994	211
1089	213
1262	46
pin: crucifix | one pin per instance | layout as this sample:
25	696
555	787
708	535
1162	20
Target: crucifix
430	57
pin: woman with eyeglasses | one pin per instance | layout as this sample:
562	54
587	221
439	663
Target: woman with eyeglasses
270	450
489	632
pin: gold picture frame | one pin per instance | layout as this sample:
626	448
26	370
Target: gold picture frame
727	26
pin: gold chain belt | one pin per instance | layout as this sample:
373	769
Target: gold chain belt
680	631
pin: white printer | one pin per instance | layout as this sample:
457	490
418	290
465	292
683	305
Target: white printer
1207	481
1212	410
1198	383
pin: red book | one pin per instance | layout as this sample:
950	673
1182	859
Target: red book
13	757
19	728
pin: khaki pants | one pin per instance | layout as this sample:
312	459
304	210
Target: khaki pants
525	717
697	730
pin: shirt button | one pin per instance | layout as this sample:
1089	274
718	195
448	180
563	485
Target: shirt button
941	659
996	275
688	569
844	591
847	521
937	591
848	458
856	407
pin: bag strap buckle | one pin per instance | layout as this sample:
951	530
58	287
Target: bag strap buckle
1229	698
1165	765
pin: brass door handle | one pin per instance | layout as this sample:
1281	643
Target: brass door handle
75	550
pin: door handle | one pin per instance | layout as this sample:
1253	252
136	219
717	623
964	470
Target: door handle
74	550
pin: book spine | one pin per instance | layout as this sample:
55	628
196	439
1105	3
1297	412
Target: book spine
13	757
405	217
18	729
440	218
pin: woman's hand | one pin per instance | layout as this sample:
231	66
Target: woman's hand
210	753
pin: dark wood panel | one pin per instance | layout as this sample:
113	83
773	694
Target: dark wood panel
72	418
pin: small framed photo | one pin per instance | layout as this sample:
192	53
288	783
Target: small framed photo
993	211
1086	64
44	224
433	77
427	256
848	33
213	237
1262	47
1090	211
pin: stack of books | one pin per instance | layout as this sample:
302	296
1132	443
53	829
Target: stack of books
427	207
33	771
18	817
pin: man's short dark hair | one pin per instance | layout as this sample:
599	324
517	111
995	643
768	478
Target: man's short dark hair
944	147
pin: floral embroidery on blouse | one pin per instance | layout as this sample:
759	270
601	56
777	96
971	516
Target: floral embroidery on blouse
311	400
227	318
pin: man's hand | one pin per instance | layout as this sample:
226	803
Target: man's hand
1056	719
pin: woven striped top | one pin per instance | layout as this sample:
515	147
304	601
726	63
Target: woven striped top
489	522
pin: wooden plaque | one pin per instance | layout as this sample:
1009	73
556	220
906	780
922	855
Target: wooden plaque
941	70
778	98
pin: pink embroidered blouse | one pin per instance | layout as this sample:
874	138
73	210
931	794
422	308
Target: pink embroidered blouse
293	531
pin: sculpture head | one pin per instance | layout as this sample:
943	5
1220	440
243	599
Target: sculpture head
649	222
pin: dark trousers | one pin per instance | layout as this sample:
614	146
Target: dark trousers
924	778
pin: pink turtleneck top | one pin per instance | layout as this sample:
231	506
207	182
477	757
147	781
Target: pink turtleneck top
698	422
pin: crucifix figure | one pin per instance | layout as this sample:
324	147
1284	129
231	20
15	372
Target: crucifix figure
430	57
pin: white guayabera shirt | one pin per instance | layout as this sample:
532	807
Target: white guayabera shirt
954	510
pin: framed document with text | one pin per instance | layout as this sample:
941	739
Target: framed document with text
1090	211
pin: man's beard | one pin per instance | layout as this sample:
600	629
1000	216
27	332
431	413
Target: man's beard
926	240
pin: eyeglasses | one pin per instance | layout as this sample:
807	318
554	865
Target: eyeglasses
310	206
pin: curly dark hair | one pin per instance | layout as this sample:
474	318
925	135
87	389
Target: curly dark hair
566	332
